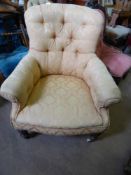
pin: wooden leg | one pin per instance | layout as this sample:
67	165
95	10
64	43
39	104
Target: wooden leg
1	78
25	5
27	134
127	169
24	37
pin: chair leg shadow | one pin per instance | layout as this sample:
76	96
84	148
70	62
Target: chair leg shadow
27	134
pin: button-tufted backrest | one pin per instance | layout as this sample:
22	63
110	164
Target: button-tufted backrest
37	2
63	37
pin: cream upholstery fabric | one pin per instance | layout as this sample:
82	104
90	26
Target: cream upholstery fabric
61	87
56	27
18	86
60	101
37	2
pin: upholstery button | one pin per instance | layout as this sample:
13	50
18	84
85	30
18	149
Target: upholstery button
76	51
71	37
83	23
63	21
42	21
62	49
54	36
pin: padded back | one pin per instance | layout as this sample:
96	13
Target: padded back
62	36
36	2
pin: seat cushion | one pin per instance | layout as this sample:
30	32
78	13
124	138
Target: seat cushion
117	32
60	101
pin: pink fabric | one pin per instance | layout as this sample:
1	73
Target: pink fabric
113	19
117	62
129	40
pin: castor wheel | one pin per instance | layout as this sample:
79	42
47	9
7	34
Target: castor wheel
92	137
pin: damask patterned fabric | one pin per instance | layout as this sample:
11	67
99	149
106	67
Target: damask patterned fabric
60	101
61	86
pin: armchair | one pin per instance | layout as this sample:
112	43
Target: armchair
61	87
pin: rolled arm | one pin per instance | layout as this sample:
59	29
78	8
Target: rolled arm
103	88
18	86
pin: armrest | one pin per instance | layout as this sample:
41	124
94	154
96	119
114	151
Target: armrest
104	90
18	86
